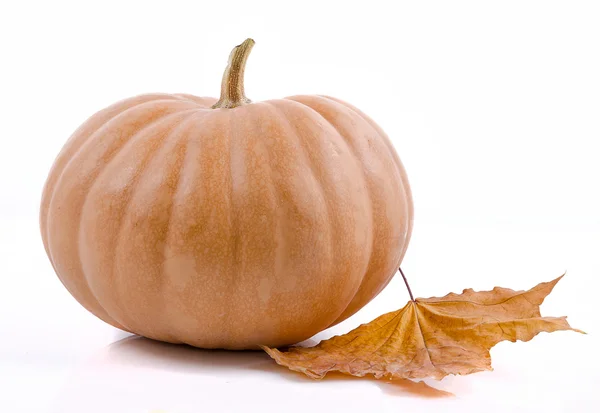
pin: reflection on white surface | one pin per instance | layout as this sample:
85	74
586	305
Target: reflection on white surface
136	374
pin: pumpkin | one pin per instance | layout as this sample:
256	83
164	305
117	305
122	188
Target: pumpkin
226	224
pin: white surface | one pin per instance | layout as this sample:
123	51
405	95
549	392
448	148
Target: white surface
493	107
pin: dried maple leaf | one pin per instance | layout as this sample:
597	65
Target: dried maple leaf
430	337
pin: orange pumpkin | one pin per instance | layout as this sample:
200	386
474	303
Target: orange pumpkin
227	224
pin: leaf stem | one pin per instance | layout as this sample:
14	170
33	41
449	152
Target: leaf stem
407	286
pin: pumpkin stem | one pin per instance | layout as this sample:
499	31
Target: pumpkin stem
407	286
232	87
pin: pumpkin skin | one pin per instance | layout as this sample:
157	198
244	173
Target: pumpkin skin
226	228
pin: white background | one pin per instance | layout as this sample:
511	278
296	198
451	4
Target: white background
494	108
